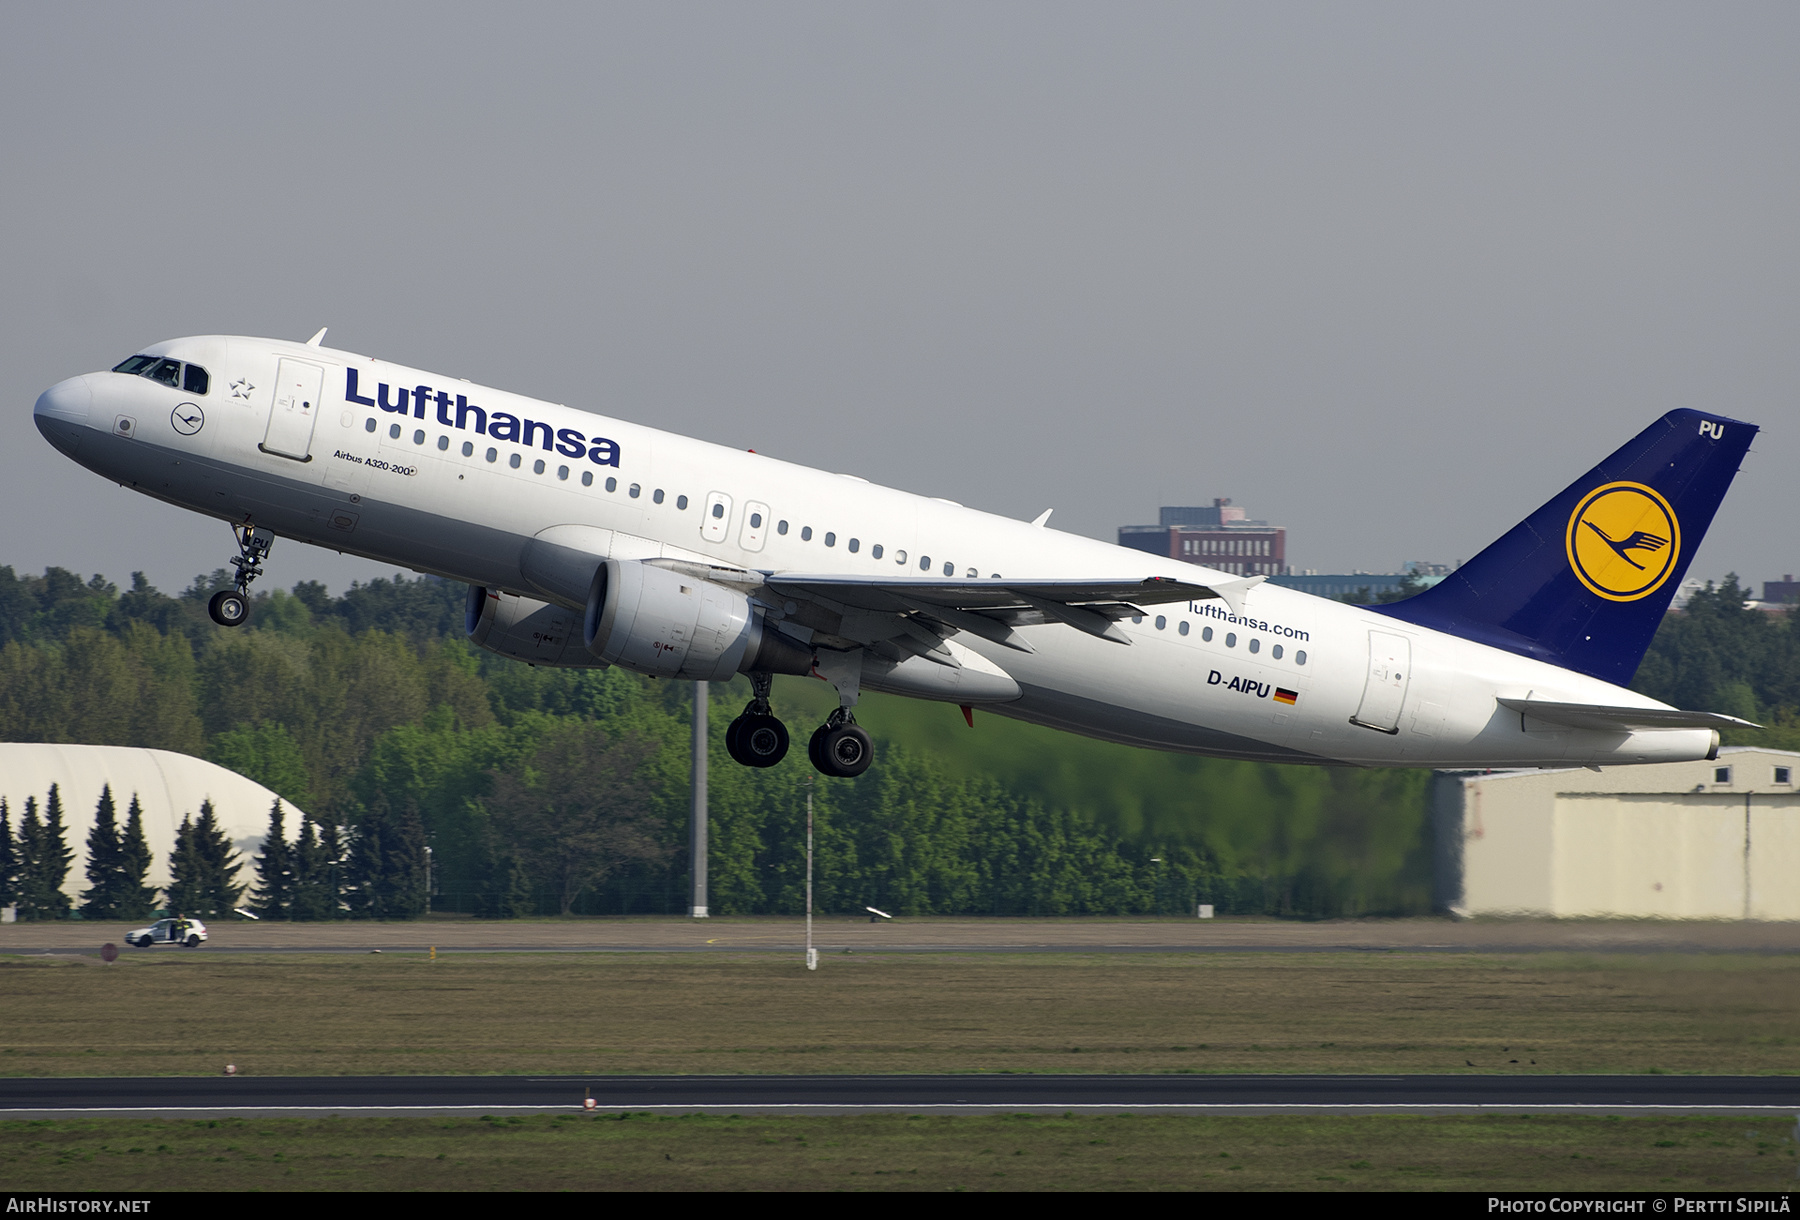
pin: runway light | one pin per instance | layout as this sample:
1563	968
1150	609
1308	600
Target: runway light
231	1069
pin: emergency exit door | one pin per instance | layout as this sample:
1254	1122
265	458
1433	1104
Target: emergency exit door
1384	691
296	406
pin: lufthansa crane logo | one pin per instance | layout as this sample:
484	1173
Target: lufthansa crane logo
1623	541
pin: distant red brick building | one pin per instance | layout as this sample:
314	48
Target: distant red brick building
1221	537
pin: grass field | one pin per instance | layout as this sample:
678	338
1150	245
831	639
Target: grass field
1019	1152
631	1013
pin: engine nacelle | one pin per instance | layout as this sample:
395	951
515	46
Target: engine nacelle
668	625
526	630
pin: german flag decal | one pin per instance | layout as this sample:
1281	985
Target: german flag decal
1286	696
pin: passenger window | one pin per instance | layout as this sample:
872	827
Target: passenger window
1161	622
755	520
1184	627
443	442
875	551
924	563
949	568
492	454
854	545
418	436
612	484
635	491
1231	639
369	424
900	558
1255	645
513	461
587	478
972	573
1300	657
1206	634
781	528
468	449
681	502
168	372
194	379
806	533
718	510
562	472
1276	652
537	467
830	538
394	432
656	497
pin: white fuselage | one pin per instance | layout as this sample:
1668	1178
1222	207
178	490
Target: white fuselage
406	492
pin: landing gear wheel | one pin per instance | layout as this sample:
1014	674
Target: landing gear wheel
228	608
731	740
763	741
840	748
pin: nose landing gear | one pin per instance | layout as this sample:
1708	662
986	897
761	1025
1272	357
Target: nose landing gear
231	607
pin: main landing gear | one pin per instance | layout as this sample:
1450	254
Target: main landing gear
231	607
839	748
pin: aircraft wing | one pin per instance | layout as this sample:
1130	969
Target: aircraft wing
1622	719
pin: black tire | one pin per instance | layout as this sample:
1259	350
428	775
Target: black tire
762	742
843	751
228	608
192	942
733	734
814	749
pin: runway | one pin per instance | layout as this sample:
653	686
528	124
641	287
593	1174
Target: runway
310	1096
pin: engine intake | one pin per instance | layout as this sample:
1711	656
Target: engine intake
668	625
526	630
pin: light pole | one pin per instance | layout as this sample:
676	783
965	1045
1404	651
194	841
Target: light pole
697	821
812	954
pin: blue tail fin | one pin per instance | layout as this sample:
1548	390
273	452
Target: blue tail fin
1584	581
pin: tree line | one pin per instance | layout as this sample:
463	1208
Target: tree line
437	776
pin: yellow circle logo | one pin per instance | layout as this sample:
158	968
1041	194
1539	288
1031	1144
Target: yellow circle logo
1623	541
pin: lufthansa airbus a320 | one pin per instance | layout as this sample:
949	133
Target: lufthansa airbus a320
589	541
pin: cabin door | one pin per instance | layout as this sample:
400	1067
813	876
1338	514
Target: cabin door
1390	661
297	389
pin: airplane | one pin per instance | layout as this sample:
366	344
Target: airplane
589	541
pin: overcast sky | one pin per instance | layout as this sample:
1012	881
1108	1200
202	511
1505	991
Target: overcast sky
1390	275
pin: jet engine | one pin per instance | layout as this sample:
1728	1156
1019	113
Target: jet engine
527	630
669	625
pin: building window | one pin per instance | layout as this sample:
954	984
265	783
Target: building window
1721	775
1783	775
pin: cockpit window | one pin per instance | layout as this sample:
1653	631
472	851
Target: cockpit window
167	372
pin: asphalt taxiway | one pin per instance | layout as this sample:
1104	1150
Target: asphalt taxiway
308	1096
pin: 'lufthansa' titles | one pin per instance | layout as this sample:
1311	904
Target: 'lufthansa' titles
456	411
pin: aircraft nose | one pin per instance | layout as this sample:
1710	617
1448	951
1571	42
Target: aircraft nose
62	412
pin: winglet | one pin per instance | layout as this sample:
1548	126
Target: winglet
1042	518
1232	592
318	338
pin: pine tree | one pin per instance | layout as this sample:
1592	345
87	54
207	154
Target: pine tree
54	862
275	871
315	886
186	889
386	870
137	899
104	861
9	859
219	865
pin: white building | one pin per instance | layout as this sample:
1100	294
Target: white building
168	786
1700	840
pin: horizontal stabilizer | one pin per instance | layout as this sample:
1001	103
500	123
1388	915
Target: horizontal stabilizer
1622	719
